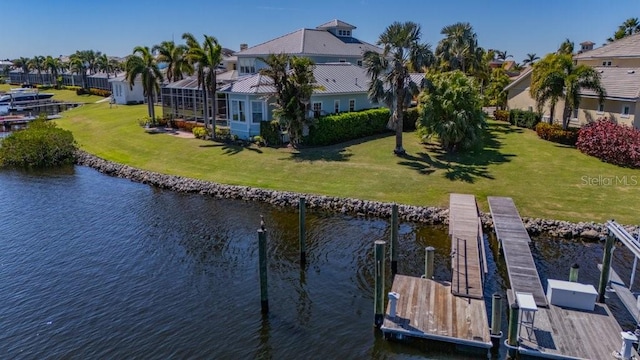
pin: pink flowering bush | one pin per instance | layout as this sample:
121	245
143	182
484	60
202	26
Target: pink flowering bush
611	142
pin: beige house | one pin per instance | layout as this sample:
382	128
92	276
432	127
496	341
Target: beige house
619	66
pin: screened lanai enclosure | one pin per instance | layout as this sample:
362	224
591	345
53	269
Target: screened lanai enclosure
183	99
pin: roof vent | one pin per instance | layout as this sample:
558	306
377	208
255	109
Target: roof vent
631	71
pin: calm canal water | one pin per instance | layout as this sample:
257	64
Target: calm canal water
99	267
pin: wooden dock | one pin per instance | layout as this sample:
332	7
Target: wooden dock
427	309
563	333
514	241
452	312
467	248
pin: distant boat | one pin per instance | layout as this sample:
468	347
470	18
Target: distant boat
23	94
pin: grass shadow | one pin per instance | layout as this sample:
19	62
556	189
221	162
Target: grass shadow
467	166
233	149
337	152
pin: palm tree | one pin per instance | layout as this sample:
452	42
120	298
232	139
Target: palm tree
566	47
389	71
206	58
37	64
530	59
629	27
142	63
175	57
53	65
103	64
23	64
459	48
115	66
502	55
556	77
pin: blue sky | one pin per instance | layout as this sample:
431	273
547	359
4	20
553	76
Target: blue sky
60	27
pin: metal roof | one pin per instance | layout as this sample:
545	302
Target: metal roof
311	42
334	24
620	83
628	46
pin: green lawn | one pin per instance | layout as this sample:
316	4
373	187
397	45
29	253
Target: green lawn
544	179
61	95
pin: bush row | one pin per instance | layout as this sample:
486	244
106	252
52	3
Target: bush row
555	133
93	91
333	129
524	118
187	125
610	142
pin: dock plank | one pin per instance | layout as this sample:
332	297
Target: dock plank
515	240
467	276
428	309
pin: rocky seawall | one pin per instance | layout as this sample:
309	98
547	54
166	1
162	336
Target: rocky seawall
418	214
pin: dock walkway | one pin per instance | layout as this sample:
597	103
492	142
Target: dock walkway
514	241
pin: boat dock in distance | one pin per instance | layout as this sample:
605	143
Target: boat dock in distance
451	312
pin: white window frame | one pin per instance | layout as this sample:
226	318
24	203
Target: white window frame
352	105
600	108
628	110
238	108
261	104
247	65
336	106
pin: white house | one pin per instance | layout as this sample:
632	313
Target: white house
123	93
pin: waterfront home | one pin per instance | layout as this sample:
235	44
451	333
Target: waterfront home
123	93
341	87
619	66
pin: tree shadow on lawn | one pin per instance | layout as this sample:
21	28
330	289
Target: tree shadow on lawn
337	152
465	166
232	149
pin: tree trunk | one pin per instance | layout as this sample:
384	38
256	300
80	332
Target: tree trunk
214	100
566	113
206	105
553	110
399	150
152	111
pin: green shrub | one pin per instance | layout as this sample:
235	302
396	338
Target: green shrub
555	133
336	128
200	132
410	119
270	132
99	92
524	118
502	115
223	133
258	140
41	144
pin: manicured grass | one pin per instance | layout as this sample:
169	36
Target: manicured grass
61	95
544	179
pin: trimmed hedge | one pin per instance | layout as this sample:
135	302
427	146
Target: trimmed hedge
610	142
502	115
93	91
524	118
337	128
555	133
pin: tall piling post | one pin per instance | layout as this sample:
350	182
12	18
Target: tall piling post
512	340
573	273
606	267
302	230
262	260
496	322
394	239
379	286
428	261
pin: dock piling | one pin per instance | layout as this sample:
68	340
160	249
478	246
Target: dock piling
394	239
496	321
606	267
573	273
262	258
512	340
393	302
428	262
379	286
302	231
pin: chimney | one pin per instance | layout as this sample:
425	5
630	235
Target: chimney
244	46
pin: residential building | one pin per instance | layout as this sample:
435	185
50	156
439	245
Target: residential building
123	93
619	66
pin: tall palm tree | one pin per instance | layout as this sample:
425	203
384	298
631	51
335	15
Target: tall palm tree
629	27
459	48
142	63
53	66
502	55
37	64
104	65
389	71
530	59
23	64
175	56
556	77
566	47
206	58
115	66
